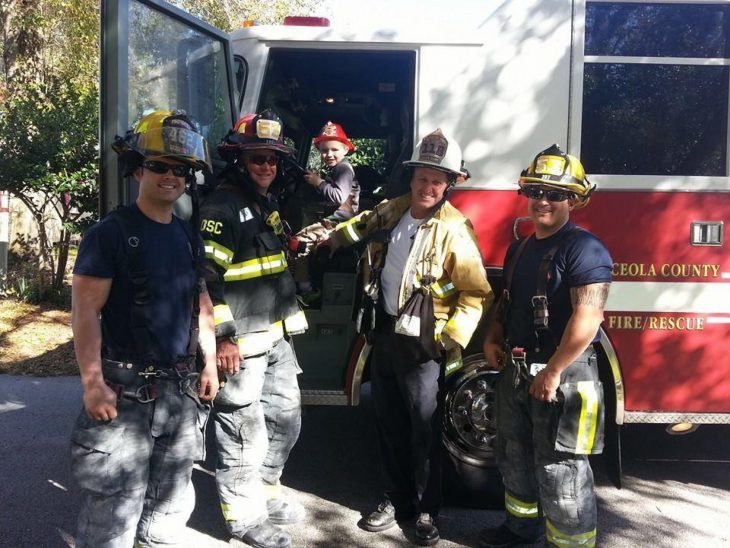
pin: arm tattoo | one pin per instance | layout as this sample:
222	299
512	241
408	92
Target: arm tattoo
594	295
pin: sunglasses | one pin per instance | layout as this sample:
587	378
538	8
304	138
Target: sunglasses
549	195
260	159
161	168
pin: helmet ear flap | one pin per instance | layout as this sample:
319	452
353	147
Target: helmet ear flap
130	160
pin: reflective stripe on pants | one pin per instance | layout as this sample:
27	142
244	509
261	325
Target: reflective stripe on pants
254	439
532	467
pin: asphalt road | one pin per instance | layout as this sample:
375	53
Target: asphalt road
676	490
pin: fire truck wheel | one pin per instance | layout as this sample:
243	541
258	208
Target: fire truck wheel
471	477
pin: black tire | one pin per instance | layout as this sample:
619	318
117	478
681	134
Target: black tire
471	477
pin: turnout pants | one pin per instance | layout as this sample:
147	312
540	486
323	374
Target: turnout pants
255	431
134	471
408	401
542	450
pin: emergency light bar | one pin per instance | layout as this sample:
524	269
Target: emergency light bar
298	21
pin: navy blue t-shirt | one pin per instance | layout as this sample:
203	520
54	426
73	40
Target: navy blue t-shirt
582	259
171	281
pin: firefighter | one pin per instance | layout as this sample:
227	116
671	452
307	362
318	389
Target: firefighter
135	323
432	289
258	412
549	398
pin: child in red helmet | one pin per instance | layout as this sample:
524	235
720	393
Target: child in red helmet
340	189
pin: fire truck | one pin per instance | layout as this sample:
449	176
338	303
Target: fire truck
639	90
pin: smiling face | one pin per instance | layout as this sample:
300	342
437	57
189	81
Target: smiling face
332	152
160	189
261	165
427	190
549	217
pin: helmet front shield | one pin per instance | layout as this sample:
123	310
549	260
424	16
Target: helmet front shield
555	169
174	142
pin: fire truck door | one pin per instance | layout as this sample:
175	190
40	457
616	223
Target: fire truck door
154	57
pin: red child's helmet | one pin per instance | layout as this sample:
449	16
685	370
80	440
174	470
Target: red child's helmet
333	132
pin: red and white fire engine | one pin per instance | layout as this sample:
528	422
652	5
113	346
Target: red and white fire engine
639	90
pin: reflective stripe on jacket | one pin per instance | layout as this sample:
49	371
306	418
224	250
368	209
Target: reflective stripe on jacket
253	292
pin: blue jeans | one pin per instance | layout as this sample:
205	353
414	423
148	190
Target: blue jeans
255	434
134	471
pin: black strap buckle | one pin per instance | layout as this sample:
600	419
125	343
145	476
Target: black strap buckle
519	359
146	393
518	354
540	311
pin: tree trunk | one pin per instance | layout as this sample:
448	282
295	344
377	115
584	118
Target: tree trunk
63	244
21	39
45	246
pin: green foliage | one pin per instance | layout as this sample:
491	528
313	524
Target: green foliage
48	144
32	290
24	283
49	150
370	152
71	38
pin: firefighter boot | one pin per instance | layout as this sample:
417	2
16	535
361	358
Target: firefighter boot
284	512
503	537
427	533
381	519
265	535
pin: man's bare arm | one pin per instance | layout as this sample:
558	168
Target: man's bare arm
88	296
594	295
588	302
209	375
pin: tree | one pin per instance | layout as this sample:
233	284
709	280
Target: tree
48	116
21	39
48	146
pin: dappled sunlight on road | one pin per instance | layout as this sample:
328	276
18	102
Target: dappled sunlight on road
681	514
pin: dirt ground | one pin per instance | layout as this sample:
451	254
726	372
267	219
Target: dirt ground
35	340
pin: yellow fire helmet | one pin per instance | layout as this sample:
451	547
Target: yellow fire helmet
554	168
165	133
438	151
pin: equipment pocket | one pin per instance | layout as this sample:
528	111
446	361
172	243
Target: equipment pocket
581	416
202	415
95	464
416	326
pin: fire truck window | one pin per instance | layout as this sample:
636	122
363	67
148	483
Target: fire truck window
174	66
240	75
654	119
652	105
658	30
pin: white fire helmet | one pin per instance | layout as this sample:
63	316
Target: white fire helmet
438	151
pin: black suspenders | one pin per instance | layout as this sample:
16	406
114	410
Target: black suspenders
539	301
130	225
